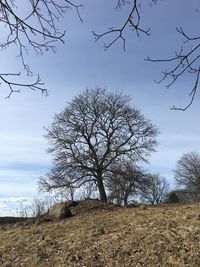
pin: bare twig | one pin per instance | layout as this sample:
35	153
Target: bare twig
36	85
132	21
192	94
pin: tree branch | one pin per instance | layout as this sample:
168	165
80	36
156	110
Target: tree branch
132	21
36	85
186	61
36	30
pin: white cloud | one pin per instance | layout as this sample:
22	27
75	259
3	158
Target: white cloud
10	204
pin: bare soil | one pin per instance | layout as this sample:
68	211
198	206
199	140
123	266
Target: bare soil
148	236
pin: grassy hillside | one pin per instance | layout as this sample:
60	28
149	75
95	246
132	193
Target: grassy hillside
115	237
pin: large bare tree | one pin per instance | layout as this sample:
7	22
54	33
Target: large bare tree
187	172
95	130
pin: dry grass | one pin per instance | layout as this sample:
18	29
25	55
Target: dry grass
120	237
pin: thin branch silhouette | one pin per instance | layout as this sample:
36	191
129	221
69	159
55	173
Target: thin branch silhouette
132	22
186	61
35	31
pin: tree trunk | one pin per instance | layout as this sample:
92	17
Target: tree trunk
126	199
102	192
127	192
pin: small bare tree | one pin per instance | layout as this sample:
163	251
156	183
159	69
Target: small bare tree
93	132
35	209
22	210
125	181
39	207
155	190
187	172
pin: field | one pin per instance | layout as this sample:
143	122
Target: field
148	236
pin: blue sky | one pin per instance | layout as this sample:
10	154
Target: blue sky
82	63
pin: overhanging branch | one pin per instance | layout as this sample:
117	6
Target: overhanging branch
186	61
132	22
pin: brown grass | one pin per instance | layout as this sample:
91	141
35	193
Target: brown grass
162	236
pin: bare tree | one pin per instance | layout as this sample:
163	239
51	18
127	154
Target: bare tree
22	210
155	190
93	132
187	172
125	181
39	207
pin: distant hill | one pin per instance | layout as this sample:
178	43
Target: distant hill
10	219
